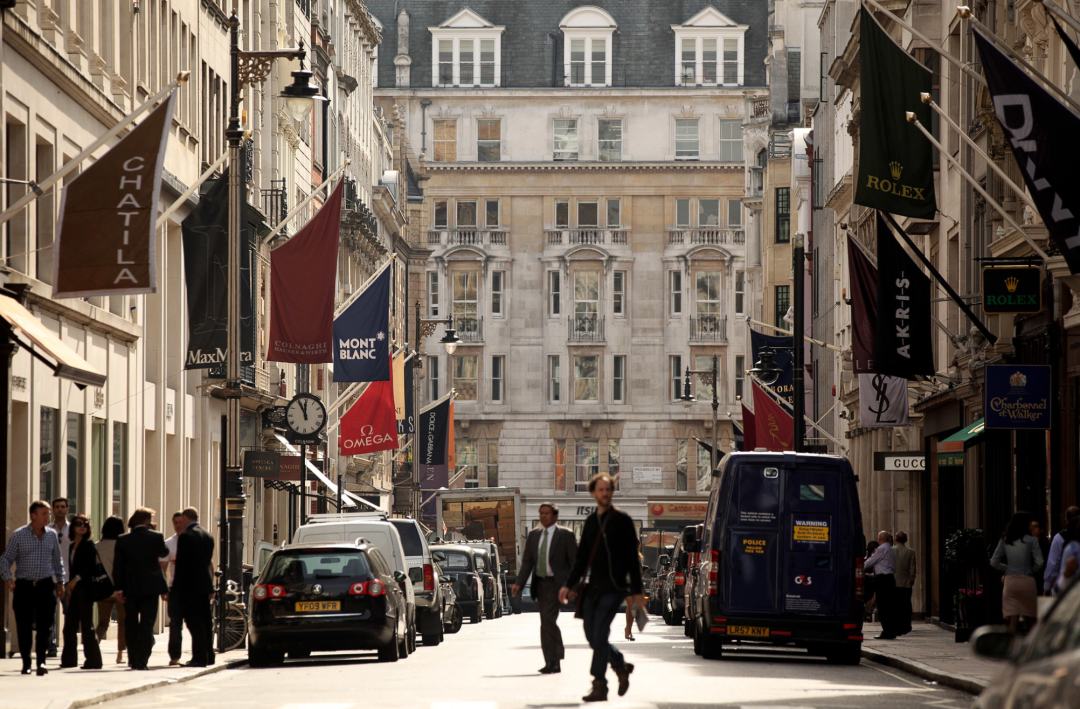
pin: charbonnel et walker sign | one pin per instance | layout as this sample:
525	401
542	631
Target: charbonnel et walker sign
1018	396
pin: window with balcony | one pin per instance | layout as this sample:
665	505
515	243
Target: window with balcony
586	378
465	376
588	214
466	214
731	141
734	213
614	214
708	302
586	463
565	140
466	316
562	214
433	294
491	213
740	375
444	140
497	364
682	213
708	212
618	293
554	293
783	215
560	465
687	146
618	379
609	135
466	457
433	378
497	278
709	48
440	216
489	140
586	302
704	389
677	375
740	292
783	302
468	51
675	286
555	378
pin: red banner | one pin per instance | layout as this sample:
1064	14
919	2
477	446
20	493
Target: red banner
774	428
303	272
371	424
749	429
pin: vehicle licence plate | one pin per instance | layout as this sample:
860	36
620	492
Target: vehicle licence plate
316	606
748	631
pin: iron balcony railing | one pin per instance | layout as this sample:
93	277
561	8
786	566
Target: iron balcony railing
709	328
470	328
585	328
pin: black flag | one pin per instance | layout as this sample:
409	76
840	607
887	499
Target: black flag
406	426
434	426
896	162
1074	51
1047	156
903	345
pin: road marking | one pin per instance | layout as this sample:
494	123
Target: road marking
318	706
465	705
905	681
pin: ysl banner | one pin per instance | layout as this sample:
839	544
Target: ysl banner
883	401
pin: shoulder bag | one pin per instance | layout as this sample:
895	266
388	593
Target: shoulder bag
579	589
98	586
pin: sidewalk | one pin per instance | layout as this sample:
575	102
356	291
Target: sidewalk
73	688
932	653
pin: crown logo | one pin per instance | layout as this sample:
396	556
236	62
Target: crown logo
1011	283
1018	379
895	168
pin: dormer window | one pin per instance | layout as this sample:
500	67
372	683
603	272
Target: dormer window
587	33
709	50
466	51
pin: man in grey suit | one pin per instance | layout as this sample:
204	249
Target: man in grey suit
549	555
905	579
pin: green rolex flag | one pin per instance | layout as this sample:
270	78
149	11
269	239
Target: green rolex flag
896	162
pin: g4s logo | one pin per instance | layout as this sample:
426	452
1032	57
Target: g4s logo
803	580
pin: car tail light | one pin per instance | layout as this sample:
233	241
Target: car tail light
429	577
376	588
714	584
858	578
263	591
358	589
679	578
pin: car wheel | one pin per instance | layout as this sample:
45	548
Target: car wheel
489	611
712	646
477	614
431	639
455	620
667	616
403	644
262	658
696	634
299	654
412	637
390	652
677	617
844	656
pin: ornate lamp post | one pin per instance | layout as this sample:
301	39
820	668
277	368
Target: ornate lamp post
708	377
450	341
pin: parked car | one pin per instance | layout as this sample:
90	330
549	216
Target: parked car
672	592
376	530
429	614
654	583
693	559
451	614
784	558
498	572
458	562
324	597
1040	670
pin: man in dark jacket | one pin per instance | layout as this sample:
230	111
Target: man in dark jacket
138	581
608	553
193	584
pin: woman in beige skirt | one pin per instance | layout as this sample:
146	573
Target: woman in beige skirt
1018	556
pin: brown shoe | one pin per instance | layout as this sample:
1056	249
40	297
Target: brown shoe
623	674
598	693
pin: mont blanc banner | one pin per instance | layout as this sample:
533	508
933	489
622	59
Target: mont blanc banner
896	162
784	386
903	345
774	426
435	422
108	216
1036	124
361	342
883	401
863	308
370	425
303	273
206	263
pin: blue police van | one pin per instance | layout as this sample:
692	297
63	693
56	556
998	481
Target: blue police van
781	556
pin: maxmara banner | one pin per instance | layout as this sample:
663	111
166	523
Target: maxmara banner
1018	396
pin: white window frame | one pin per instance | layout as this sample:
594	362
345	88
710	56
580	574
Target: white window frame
618	294
566	154
475	379
675	133
677	376
498	213
435	212
554	293
618	379
675	291
578	362
735	145
596	222
499	141
713	25
554	378
588	23
433	294
498	288
433	378
565	224
498	378
600	142
472	27
740	375
735	204
740	292
683	223
607	213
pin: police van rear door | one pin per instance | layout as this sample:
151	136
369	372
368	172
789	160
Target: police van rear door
752	553
811	505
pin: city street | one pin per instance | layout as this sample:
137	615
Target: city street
493	666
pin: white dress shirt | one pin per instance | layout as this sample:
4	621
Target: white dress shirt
65	543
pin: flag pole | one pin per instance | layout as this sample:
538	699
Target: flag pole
776	397
782	331
1061	14
38	189
307	200
360	291
965	13
978	188
191	190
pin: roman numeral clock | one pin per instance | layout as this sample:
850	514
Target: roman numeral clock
306	417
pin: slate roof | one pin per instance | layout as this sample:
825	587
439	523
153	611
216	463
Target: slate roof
643	46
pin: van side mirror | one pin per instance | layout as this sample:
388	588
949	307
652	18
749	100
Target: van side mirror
400	577
995	642
664	560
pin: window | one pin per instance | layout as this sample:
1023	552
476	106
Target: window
586	463
708	301
689	61
586	301
740	291
465	303
465	457
489	140
732	62
686	139
440	218
740	375
609	135
783	302
598	50
470	60
577	62
734	213
73	469
467	63
465	377
47	452
120	468
682	213
487	62
554	293
497	363
444	140
497	278
783	215
466	214
446	62
491	213
613	467
433	378
731	141
588	61
553	375
560	464
675	278
618	293
708	213
433	293
708	61
566	140
680	465
562	214
704	473
618	378
614	214
677	375
586	378
588	215
703	363
493	464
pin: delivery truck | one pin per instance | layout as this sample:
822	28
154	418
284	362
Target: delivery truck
483	513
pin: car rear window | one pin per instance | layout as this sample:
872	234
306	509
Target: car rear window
310	565
410	538
456	561
481	562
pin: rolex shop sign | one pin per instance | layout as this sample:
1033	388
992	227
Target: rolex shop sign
1018	396
1012	289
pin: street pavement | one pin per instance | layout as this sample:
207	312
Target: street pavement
493	666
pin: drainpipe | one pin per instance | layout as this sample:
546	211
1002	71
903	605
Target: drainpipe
424	103
553	40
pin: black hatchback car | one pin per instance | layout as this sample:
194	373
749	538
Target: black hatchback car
325	597
467	567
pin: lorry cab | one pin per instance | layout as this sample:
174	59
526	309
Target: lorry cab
781	556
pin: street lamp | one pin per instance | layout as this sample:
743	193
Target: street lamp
766	369
708	377
300	96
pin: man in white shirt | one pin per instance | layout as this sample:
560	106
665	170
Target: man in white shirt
549	556
168	564
883	565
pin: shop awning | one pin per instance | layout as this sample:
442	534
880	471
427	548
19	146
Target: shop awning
39	340
951	450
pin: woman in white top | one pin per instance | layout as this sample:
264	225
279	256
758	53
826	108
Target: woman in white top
113	528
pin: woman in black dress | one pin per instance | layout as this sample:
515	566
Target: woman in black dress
82	562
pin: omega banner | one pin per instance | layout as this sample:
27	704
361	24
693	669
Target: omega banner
1018	396
108	216
1012	289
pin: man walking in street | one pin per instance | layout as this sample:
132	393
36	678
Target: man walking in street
905	580
138	581
1053	563
60	525
168	567
39	567
193	586
608	556
883	565
549	554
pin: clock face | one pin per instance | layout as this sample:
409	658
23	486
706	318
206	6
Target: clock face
306	415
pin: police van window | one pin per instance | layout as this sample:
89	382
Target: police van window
757	498
812	493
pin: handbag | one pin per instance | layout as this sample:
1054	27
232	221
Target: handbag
99	586
579	588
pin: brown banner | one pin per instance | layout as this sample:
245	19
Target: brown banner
105	235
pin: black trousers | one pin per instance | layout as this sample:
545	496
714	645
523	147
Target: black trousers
547	597
34	605
80	618
885	590
903	610
176	627
196	611
141	615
